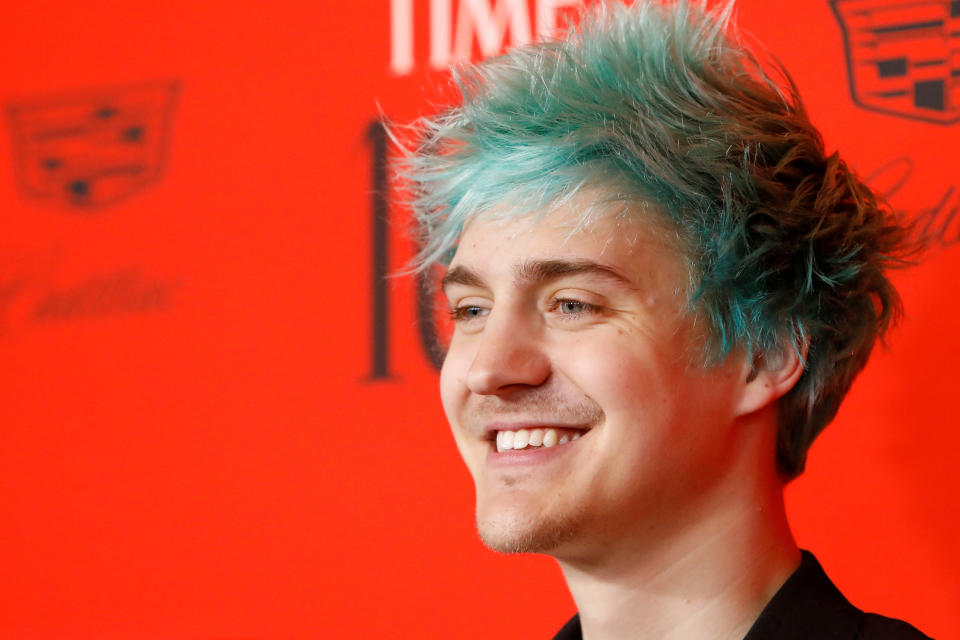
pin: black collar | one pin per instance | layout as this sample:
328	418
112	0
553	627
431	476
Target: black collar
808	605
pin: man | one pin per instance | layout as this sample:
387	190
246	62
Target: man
662	288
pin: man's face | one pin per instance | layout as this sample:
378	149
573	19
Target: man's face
579	342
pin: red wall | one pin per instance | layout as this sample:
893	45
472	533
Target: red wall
196	442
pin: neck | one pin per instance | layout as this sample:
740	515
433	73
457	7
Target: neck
710	578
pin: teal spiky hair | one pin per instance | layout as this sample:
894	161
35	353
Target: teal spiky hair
658	103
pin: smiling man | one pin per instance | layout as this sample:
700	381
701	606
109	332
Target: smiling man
662	287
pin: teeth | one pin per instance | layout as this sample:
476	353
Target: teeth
521	439
536	437
550	438
524	438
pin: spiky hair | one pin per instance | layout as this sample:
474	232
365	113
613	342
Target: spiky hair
661	103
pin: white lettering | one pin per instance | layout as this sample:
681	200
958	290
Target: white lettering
490	27
441	21
401	36
486	22
547	16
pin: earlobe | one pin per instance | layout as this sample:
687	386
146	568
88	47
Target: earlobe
770	375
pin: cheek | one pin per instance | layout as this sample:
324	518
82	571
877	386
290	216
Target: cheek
453	396
453	389
621	375
449	389
647	397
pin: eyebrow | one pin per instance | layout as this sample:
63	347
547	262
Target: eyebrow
546	270
538	271
463	276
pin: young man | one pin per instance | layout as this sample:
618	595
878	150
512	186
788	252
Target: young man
662	288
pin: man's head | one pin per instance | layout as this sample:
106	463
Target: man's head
649	126
577	339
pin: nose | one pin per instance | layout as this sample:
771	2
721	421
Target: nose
509	356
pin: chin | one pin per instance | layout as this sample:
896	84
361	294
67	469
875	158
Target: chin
513	532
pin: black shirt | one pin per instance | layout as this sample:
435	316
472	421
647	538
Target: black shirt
807	607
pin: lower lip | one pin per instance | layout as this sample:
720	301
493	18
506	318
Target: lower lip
524	457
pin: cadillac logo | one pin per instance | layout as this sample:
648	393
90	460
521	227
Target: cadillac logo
92	148
903	56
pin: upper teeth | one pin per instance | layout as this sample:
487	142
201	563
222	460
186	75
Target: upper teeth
522	438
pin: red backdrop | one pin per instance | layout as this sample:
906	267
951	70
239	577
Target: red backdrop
215	424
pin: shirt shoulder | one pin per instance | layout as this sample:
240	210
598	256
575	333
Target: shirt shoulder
571	630
877	627
809	605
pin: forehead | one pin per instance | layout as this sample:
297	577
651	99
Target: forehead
634	241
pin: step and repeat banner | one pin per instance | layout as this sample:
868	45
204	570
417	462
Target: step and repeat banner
219	414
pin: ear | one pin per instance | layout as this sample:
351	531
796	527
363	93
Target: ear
771	375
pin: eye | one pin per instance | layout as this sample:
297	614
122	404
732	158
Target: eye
570	307
467	312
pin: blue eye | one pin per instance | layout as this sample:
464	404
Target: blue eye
573	307
467	312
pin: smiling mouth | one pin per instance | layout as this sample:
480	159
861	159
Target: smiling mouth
523	439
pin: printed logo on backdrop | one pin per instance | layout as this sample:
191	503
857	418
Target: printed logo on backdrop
90	149
903	56
36	290
84	151
936	217
458	29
